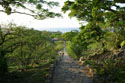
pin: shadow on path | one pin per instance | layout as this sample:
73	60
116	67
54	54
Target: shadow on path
68	71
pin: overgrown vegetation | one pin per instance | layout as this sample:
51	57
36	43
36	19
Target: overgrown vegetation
25	51
101	41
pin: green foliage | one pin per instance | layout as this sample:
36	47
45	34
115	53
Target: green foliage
101	37
123	43
22	48
69	35
70	51
89	34
102	20
108	70
37	8
92	63
66	6
37	74
72	48
59	45
82	10
56	34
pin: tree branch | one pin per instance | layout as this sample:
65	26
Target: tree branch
21	4
14	46
3	37
20	13
10	39
109	9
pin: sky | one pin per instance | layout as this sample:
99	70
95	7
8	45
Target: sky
30	22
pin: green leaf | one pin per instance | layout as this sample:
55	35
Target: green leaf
38	6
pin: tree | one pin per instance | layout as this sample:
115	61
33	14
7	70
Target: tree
6	46
56	34
89	34
23	47
88	10
33	46
68	36
39	9
28	41
106	25
101	12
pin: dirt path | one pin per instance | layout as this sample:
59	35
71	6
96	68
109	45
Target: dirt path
68	71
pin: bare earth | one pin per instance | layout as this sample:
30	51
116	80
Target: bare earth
68	71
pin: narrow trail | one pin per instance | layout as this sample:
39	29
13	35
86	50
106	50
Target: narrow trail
68	71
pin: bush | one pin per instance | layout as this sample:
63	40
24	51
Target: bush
70	50
111	71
